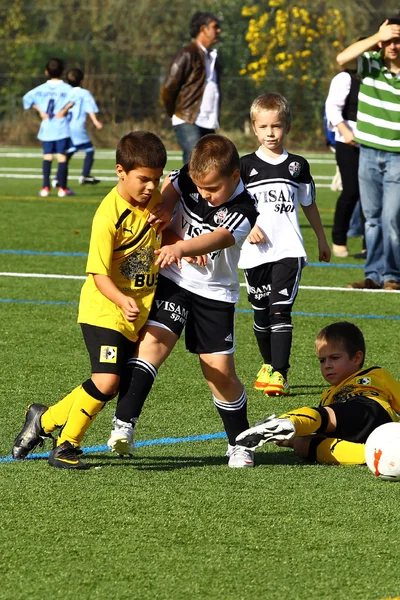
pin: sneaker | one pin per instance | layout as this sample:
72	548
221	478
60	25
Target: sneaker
263	377
391	284
239	457
63	192
65	456
340	251
54	183
32	434
44	192
277	386
121	438
362	255
271	429
365	284
92	180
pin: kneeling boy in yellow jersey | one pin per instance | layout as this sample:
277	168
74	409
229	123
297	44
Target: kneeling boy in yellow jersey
357	401
115	299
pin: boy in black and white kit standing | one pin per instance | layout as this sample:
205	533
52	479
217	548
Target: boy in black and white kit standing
273	254
213	217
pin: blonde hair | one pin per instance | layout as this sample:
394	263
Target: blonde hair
272	101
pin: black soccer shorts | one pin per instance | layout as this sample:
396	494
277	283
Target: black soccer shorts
209	324
357	418
274	284
108	349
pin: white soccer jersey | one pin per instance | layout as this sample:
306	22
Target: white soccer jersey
194	216
279	185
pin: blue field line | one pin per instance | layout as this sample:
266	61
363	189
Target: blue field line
158	442
48	302
37	252
238	310
335	315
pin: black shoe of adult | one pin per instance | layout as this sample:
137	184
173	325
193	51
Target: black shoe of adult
32	434
65	456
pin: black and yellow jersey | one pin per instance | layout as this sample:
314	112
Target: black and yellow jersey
375	383
122	246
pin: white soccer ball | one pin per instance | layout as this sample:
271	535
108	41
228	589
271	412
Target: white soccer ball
382	452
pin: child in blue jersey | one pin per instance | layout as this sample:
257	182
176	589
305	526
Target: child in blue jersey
84	105
48	99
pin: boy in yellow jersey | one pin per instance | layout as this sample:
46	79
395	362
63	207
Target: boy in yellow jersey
357	402
115	299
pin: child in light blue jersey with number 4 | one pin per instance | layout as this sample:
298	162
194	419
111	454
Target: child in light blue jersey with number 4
49	99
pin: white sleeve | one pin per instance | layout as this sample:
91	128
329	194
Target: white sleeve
338	92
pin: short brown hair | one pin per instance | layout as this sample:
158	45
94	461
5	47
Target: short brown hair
344	334
272	101
141	149
214	153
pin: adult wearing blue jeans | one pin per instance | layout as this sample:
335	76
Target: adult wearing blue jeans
378	134
191	91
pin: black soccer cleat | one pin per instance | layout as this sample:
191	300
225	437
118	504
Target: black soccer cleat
32	434
92	180
65	456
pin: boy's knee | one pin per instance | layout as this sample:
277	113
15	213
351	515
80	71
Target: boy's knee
301	446
105	384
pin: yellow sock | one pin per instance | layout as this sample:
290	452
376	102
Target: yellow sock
306	420
57	415
340	452
81	415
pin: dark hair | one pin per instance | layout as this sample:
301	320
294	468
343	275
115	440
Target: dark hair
395	20
214	153
55	67
344	334
75	77
141	149
198	20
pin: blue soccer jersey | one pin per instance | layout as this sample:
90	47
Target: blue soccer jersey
84	103
50	98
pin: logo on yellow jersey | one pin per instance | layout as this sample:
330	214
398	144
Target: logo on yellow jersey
108	354
364	381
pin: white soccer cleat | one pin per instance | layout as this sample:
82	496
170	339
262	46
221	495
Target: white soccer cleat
272	429
44	192
121	438
54	182
239	457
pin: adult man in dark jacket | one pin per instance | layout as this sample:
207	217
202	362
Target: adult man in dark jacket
191	91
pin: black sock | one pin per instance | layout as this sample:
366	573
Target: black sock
46	172
87	164
234	416
281	343
136	382
62	174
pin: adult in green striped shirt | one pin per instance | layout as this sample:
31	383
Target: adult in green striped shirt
378	133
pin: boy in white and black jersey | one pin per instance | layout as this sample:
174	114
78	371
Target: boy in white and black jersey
214	216
273	254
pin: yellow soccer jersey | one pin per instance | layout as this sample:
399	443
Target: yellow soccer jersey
122	246
375	383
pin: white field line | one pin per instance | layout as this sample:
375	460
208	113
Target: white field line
302	287
104	155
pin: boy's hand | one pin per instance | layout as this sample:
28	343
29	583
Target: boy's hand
257	236
200	261
160	216
129	308
167	255
324	251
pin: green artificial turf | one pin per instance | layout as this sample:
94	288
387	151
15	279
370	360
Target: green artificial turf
173	522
